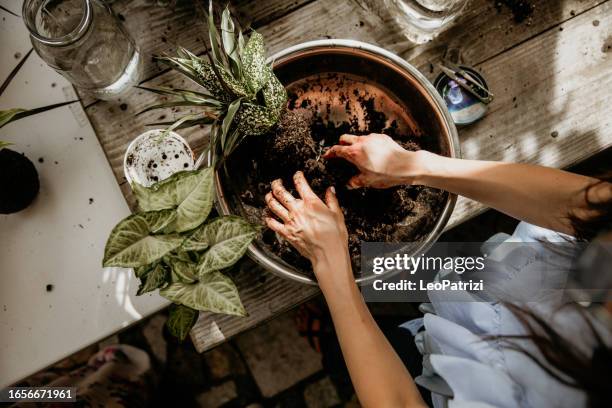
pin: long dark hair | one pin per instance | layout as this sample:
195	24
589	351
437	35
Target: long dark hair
600	219
559	357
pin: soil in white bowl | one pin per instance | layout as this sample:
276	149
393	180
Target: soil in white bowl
154	156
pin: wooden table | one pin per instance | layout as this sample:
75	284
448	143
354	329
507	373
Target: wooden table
552	77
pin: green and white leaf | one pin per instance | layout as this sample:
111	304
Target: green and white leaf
200	72
131	243
11	115
194	204
230	46
214	292
196	241
191	193
254	119
181	254
228	120
255	70
241	43
159	196
4	144
275	95
228	239
181	270
8	115
213	36
155	279
142	271
180	320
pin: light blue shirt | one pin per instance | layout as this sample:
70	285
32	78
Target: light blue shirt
462	369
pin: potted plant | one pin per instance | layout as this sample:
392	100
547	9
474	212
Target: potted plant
260	131
18	177
270	118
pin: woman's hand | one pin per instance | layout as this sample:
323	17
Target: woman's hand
382	162
315	228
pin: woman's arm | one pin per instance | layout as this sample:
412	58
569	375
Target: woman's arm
317	230
378	375
536	194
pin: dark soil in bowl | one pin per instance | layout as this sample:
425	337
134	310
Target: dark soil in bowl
298	142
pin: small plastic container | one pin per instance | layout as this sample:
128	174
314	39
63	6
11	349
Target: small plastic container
153	157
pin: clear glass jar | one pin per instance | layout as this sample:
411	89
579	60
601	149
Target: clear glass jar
419	20
85	42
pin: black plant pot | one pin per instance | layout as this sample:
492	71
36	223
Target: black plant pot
19	183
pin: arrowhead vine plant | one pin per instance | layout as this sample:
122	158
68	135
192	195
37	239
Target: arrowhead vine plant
173	247
170	242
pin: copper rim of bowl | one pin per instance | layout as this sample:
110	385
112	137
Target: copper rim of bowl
407	71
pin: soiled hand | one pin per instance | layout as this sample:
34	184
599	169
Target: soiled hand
315	228
382	162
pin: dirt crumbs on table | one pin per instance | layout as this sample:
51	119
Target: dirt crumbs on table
403	213
607	45
521	9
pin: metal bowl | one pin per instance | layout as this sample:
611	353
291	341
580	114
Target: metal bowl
409	97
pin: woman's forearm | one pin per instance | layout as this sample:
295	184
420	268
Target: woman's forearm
536	194
378	375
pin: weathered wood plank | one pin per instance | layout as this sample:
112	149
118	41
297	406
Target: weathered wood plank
256	14
559	87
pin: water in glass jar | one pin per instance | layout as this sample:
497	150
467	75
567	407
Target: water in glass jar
87	44
419	20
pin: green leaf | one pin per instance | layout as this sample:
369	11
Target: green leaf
11	115
241	43
185	94
228	120
230	45
180	320
193	244
236	87
15	70
190	192
228	238
181	270
179	122
214	292
198	71
181	254
186	124
213	36
155	279
256	72
8	115
159	196
3	144
131	243
203	73
142	271
207	107
195	200
255	119
275	95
